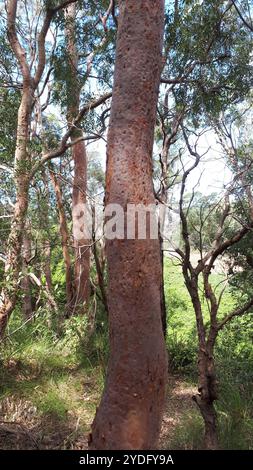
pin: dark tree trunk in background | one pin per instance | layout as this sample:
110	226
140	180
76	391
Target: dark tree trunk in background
207	381
82	243
163	301
27	306
64	239
129	415
99	258
45	227
206	398
47	265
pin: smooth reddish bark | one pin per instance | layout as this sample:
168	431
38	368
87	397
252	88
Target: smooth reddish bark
79	199
130	411
82	244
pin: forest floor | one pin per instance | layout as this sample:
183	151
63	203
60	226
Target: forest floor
51	380
179	414
44	413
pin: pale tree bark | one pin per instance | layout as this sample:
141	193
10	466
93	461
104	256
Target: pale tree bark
79	199
22	163
21	176
13	258
130	411
64	232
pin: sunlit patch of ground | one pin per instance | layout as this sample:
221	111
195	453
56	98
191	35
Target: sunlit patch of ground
179	408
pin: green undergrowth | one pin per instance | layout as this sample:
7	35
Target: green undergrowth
234	364
57	370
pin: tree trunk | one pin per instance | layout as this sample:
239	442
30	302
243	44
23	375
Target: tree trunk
47	265
27	306
81	240
206	398
81	243
45	224
162	223
162	293
207	382
21	175
99	262
64	239
129	415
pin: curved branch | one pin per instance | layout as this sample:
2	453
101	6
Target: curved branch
236	313
245	22
50	12
18	50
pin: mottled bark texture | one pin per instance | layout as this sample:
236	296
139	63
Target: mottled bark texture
81	243
21	174
22	163
14	261
129	414
207	380
205	400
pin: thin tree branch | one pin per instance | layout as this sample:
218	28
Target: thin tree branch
245	22
64	145
236	313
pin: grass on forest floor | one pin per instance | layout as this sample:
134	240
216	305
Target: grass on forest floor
49	390
234	359
55	404
53	401
182	427
51	383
